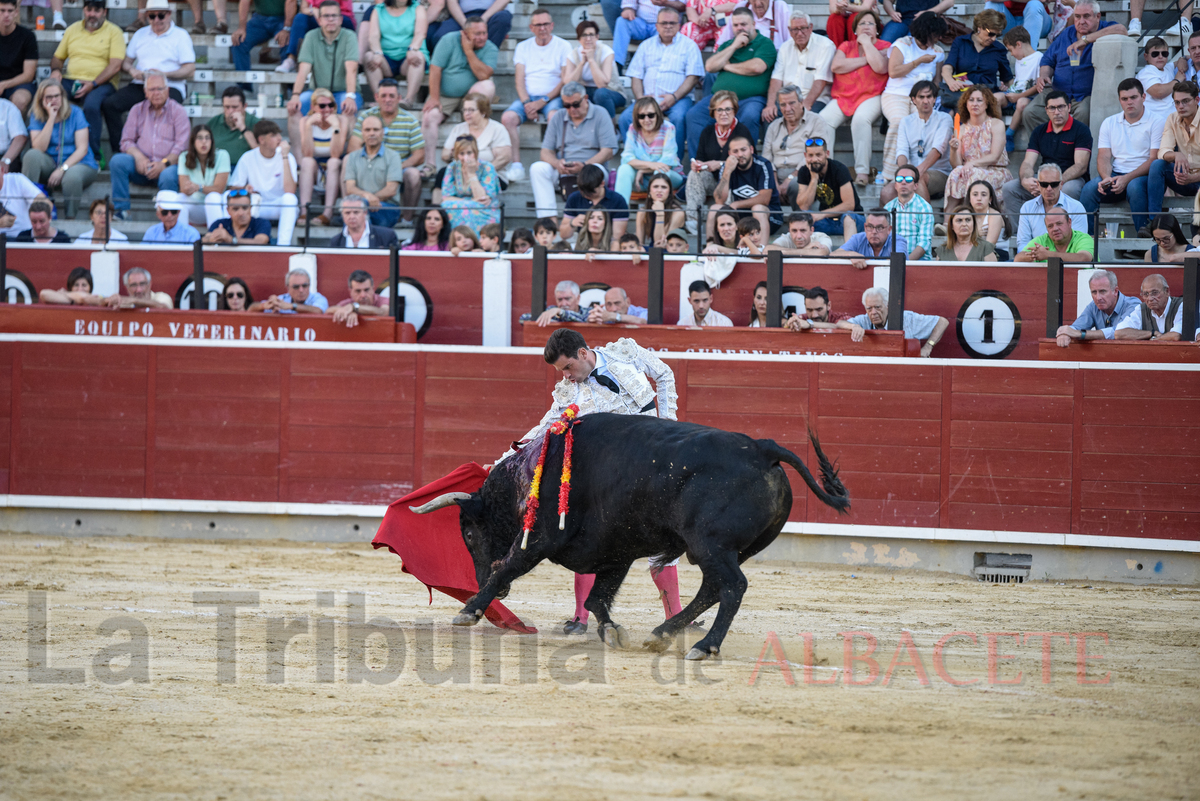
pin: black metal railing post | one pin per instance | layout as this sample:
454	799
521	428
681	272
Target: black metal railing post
1054	295
894	219
395	307
3	268
537	303
1191	265
896	283
774	288
654	287
198	275
1096	240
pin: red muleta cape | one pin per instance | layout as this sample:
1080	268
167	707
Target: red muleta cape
431	545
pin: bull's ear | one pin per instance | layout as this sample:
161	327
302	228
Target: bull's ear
471	507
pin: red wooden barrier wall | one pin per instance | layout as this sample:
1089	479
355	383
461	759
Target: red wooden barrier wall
1106	450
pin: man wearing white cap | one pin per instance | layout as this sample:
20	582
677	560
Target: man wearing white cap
172	225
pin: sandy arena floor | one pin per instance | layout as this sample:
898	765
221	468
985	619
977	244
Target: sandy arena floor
476	714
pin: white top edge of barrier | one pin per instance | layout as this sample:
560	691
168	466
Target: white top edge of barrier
741	356
197	506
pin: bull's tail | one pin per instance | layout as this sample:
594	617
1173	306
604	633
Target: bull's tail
831	490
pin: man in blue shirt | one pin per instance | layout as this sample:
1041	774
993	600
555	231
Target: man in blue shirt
1058	72
929	327
169	229
617	309
1099	320
593	192
875	242
299	299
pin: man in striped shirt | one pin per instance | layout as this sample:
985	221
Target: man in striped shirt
401	134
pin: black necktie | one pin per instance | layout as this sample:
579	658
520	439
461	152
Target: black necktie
605	382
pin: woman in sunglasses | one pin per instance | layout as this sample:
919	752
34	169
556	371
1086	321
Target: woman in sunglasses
236	296
649	150
322	143
963	242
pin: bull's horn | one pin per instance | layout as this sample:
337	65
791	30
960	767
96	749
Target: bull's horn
440	501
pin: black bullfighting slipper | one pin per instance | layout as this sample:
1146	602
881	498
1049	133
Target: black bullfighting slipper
573	626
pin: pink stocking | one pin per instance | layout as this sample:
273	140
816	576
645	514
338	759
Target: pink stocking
667	581
583	588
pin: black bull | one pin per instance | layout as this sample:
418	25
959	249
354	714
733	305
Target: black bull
640	486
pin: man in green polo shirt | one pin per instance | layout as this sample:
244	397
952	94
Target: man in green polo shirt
233	128
1059	241
330	55
401	135
374	172
743	66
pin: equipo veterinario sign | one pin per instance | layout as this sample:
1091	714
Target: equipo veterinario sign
171	329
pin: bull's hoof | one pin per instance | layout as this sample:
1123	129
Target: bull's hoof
656	644
698	654
614	636
466	618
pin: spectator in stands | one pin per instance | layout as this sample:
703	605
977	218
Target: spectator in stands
432	231
363	301
617	309
747	183
491	138
977	153
771	19
1170	244
197	8
241	227
923	140
163	49
665	69
77	292
804	63
1136	7
902	13
593	192
322	146
1034	19
818	312
983	203
18	58
59	155
155	136
309	19
233	128
357	231
1178	163
100	232
1185	66
299	298
582	136
330	55
591	65
712	150
911	59
744	64
1064	141
1058	71
980	55
826	183
859	76
491	238
402	136
661	212
875	242
545	230
928	327
521	241
470	188
1129	144
750	238
1158	78
236	297
783	143
539	79
677	241
702	313
1100	317
396	46
649	150
724	236
13	136
565	309
1050	194
262	172
271	21
92	50
963	242
462	64
595	231
41	230
16	193
203	174
635	23
1027	62
705	19
464	240
1060	241
375	173
801	240
758	306
170	229
1158	317
138	295
914	215
493	13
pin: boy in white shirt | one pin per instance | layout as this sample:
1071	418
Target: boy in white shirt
262	174
1158	77
1025	75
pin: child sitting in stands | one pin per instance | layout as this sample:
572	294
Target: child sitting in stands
491	236
1025	76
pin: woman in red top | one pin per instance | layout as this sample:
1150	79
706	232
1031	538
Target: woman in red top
860	71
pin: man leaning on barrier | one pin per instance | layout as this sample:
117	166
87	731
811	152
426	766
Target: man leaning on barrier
299	298
1158	317
875	242
140	296
617	309
362	301
1099	320
929	327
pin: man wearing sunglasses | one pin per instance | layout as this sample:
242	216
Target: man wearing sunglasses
1050	195
666	67
914	215
1064	142
241	227
162	46
170	228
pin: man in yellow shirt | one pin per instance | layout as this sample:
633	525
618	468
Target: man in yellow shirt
93	50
